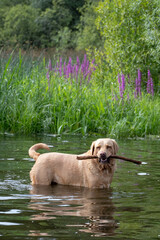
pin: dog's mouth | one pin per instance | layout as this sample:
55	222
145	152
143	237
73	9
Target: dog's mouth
104	159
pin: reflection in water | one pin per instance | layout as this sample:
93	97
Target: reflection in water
94	204
61	212
37	233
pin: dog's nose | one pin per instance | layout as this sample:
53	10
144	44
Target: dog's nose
103	156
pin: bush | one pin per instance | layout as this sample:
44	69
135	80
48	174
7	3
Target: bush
20	25
131	30
32	103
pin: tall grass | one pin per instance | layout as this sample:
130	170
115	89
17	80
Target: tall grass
29	103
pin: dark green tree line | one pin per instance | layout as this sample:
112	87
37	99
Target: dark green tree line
40	23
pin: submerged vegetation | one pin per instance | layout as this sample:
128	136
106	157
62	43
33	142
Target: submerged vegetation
39	98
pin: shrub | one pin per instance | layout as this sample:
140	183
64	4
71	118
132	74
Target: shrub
131	33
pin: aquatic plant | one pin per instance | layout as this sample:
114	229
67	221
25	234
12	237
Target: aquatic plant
32	103
79	71
121	82
150	89
138	85
138	88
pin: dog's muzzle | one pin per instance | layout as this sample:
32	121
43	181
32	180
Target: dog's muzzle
103	158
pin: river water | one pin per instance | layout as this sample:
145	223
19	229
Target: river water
130	209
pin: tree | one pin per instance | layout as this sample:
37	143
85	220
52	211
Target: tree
87	26
132	34
57	21
9	3
40	23
20	25
41	4
50	22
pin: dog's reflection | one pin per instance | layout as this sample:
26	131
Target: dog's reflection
94	204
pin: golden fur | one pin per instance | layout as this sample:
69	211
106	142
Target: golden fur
65	169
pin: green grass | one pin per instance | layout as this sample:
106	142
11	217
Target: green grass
29	105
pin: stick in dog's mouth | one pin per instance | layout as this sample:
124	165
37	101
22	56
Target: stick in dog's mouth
81	157
107	160
104	159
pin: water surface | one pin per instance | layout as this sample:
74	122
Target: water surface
130	209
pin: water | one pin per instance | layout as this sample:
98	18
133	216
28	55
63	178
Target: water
130	209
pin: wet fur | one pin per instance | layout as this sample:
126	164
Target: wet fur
65	169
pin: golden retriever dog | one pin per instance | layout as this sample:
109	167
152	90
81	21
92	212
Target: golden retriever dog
65	169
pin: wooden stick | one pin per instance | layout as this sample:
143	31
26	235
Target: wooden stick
113	156
84	157
126	159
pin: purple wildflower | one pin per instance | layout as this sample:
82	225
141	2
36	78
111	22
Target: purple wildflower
85	60
135	94
60	67
64	68
121	82
120	89
48	78
139	83
87	73
78	62
150	88
93	61
50	65
68	70
136	89
129	80
48	72
77	70
70	61
82	68
73	70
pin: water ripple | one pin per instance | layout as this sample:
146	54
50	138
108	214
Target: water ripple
9	224
12	211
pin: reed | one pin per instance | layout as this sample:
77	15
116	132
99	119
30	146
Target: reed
33	102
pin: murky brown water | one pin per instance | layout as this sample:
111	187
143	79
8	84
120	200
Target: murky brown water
130	209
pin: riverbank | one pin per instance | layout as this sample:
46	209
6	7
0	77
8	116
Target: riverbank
35	99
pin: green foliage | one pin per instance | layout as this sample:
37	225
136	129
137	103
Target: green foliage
29	104
20	25
132	31
44	23
88	35
2	17
51	22
8	3
41	4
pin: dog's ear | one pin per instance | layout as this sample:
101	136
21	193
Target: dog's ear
115	146
92	148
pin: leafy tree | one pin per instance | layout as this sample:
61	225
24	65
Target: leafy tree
87	27
2	19
57	24
41	4
132	34
74	7
50	22
20	26
41	23
9	3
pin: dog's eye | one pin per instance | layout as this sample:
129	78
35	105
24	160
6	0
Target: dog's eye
98	147
108	147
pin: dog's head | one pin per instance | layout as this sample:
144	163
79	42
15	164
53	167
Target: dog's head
103	148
